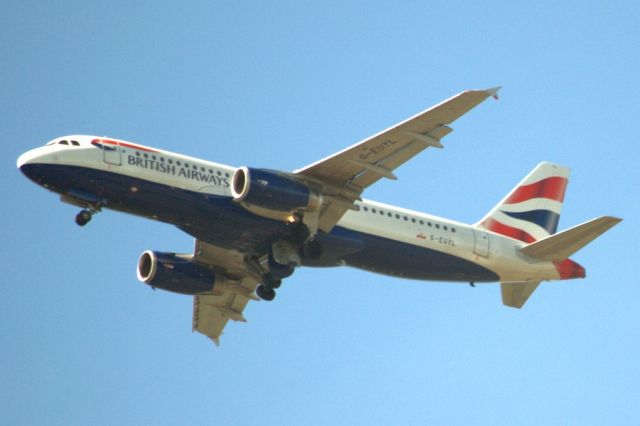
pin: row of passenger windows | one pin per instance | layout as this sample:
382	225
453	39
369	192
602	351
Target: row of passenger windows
408	218
178	163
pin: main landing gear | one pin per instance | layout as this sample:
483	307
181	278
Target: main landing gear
266	290
265	293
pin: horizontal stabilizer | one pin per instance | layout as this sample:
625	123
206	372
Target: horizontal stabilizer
515	294
563	244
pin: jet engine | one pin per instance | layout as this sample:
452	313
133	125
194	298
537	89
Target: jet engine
273	191
174	272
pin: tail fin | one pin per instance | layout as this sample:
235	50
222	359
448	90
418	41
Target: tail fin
531	210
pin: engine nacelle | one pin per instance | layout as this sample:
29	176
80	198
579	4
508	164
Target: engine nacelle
272	190
174	272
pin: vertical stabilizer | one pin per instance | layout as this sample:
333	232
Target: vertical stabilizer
531	211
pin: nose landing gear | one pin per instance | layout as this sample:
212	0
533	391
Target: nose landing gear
87	213
83	217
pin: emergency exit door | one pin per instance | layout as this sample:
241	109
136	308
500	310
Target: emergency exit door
480	243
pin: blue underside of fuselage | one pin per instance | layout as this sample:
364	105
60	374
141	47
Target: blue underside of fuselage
220	221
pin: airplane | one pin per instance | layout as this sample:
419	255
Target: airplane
253	227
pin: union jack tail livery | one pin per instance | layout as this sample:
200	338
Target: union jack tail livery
531	211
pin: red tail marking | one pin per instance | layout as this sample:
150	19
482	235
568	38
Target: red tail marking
569	269
502	229
552	188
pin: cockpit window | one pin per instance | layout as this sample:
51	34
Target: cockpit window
63	142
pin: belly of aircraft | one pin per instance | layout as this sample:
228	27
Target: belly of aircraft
218	220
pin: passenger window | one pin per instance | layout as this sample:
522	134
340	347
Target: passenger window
405	218
366	209
437	226
445	228
397	216
389	214
429	224
413	220
421	222
381	212
374	211
453	230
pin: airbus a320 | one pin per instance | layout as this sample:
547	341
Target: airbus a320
253	227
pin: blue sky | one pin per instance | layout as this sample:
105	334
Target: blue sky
282	85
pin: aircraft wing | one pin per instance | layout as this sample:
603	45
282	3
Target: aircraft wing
347	173
231	292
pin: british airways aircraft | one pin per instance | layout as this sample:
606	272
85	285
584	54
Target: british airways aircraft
253	227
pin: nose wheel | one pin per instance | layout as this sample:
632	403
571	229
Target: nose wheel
83	217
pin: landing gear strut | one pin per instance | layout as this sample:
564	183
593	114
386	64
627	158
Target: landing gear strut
83	217
284	256
270	281
87	212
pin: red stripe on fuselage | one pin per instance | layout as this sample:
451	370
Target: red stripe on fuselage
125	144
552	188
508	231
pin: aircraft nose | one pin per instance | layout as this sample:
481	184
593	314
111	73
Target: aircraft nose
23	159
29	163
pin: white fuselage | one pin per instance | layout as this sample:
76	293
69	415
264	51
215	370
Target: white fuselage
487	249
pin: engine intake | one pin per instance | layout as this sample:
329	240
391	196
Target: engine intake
174	272
272	190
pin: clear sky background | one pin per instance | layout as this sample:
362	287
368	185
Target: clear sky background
281	85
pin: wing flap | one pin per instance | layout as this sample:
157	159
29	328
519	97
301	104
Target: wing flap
234	287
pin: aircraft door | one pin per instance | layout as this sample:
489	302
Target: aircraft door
111	154
480	243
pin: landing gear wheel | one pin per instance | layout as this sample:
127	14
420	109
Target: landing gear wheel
83	217
265	293
270	281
